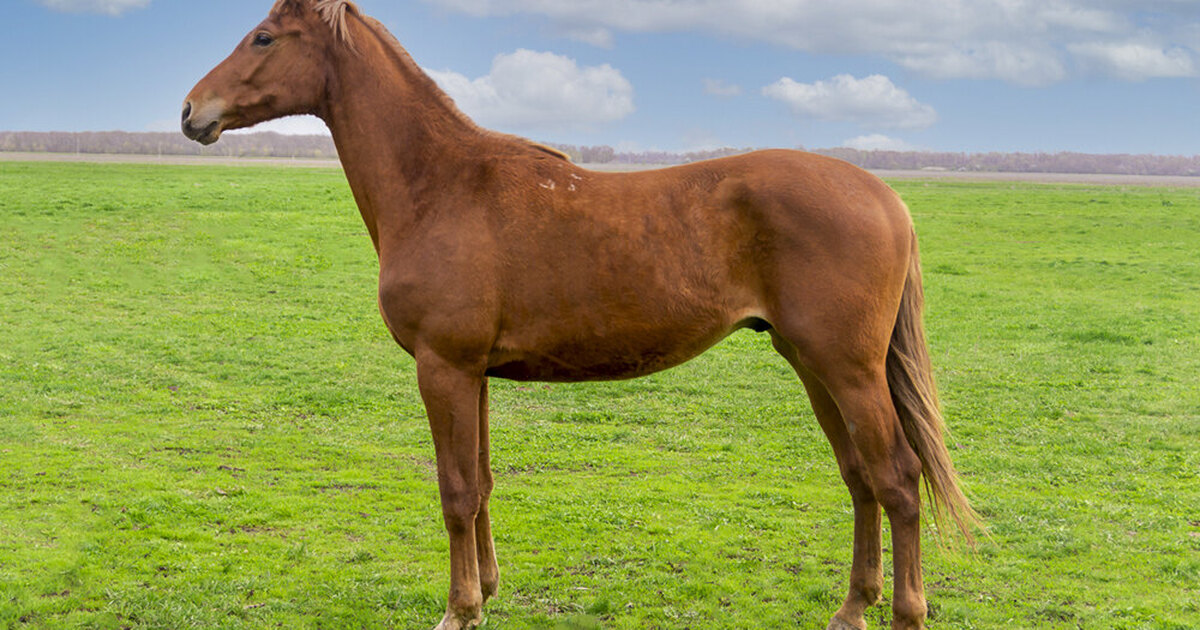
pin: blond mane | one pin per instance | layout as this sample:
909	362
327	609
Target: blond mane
332	12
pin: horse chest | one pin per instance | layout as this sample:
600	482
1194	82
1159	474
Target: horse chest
447	306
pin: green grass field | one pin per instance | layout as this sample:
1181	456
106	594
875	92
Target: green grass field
204	424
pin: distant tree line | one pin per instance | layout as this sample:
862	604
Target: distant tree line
265	144
608	155
1062	162
274	145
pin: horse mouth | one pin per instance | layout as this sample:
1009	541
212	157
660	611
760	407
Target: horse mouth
206	135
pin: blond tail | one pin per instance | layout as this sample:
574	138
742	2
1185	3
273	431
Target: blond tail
910	378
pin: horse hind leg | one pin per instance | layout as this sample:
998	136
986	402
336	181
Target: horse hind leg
893	471
866	572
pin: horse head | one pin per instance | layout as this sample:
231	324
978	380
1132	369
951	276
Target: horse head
281	68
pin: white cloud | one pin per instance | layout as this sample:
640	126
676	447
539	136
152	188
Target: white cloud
872	101
530	90
702	140
1134	62
291	126
1029	66
109	7
288	126
163	124
1028	42
718	87
596	36
879	142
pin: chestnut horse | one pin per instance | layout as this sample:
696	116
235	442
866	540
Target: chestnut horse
498	257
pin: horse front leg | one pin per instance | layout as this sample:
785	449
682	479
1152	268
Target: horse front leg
452	397
485	548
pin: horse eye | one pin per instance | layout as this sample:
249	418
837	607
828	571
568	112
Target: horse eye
263	39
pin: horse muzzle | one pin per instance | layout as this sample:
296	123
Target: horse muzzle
203	123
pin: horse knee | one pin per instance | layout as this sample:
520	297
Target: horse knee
893	485
902	501
459	509
858	483
904	493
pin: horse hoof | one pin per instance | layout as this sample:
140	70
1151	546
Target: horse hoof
454	622
838	624
457	625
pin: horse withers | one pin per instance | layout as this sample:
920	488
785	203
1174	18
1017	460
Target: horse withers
498	257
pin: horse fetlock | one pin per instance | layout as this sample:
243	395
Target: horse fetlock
869	593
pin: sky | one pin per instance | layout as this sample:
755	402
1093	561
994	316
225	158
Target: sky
1096	76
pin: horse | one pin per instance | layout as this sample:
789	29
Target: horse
500	258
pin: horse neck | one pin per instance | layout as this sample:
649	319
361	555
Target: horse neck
398	137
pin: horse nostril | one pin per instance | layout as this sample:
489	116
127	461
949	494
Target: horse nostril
187	111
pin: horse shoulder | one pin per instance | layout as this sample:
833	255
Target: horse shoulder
437	284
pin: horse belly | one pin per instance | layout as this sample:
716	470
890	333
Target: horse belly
605	357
